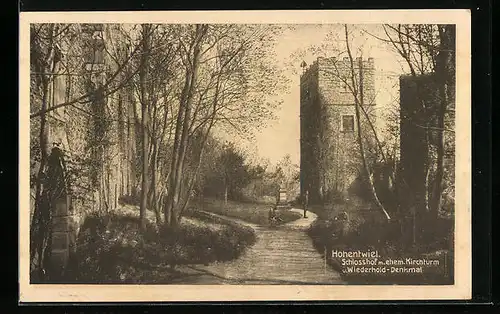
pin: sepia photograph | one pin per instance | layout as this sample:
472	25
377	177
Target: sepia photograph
214	153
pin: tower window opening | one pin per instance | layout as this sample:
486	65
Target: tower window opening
347	123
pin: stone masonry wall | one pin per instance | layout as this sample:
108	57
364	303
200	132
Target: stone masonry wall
338	161
335	80
68	126
309	134
342	159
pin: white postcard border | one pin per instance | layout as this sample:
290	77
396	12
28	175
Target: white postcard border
116	293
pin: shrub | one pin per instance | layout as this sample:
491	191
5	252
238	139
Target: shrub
130	200
362	234
110	248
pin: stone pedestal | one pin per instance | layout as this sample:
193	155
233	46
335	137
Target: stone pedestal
62	235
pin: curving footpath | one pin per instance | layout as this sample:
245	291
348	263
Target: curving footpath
281	255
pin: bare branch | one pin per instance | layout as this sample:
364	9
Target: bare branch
94	93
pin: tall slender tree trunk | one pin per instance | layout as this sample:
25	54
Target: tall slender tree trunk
198	165
444	67
169	200
154	188
144	119
358	101
152	173
182	128
38	229
225	190
133	149
154	157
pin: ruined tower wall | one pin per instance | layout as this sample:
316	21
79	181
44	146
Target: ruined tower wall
338	160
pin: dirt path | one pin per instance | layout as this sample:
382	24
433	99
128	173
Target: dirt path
281	255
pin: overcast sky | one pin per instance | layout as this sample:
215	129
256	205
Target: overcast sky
307	42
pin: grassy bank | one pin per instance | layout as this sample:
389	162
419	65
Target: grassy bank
366	230
110	248
256	213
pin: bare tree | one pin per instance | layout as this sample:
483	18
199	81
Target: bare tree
430	50
357	91
445	70
44	57
145	50
187	80
221	82
192	61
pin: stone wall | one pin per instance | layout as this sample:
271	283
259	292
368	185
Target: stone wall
335	80
413	143
340	158
417	137
64	234
310	134
70	127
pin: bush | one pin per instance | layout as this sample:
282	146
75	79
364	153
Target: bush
362	234
110	249
199	244
129	200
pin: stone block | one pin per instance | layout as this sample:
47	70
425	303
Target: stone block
60	241
59	259
61	208
72	241
61	223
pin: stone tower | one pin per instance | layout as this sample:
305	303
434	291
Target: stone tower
330	155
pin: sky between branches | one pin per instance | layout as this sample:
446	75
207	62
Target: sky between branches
306	43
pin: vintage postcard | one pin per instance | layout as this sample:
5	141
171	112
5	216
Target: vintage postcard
245	156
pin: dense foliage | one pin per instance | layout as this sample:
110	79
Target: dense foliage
111	248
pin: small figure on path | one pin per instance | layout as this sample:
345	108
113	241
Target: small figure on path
272	215
274	218
306	203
